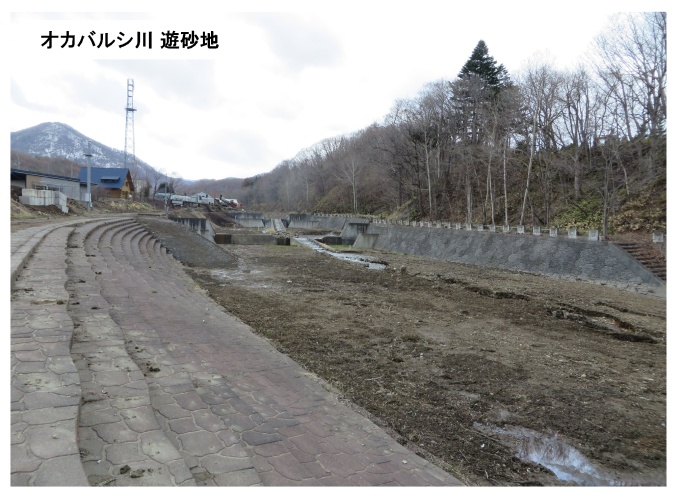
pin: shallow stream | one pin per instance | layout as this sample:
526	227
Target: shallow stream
369	263
562	459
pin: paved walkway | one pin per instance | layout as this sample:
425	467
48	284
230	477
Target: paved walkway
125	373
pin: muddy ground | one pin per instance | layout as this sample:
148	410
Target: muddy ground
476	369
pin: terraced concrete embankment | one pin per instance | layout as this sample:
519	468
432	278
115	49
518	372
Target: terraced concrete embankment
45	386
124	373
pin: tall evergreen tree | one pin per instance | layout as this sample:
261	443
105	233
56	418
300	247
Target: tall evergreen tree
485	66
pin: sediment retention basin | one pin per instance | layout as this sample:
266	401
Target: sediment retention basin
598	261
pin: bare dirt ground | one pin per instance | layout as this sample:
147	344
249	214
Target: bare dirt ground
487	373
476	369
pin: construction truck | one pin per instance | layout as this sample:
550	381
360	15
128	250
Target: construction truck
229	203
194	200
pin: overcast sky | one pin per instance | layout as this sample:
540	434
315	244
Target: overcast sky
285	75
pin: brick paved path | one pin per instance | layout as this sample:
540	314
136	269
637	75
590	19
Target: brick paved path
125	373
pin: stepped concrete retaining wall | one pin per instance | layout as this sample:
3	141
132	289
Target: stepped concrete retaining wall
557	257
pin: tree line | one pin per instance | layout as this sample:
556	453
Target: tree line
533	148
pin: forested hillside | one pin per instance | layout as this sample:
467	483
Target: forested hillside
584	147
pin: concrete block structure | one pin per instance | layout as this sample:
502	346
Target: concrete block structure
35	197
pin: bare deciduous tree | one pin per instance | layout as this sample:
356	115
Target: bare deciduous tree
577	115
540	85
631	64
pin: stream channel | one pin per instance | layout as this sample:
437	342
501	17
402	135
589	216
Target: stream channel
369	263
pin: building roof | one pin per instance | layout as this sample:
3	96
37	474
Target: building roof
19	174
111	178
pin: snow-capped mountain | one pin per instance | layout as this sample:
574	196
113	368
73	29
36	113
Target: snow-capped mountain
54	139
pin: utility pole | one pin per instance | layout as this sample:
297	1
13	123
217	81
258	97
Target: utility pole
88	196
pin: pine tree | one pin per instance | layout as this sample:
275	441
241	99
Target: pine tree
485	66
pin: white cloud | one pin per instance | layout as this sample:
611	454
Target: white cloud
286	74
299	41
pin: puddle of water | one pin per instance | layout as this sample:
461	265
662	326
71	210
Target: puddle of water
354	258
563	460
234	274
240	276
